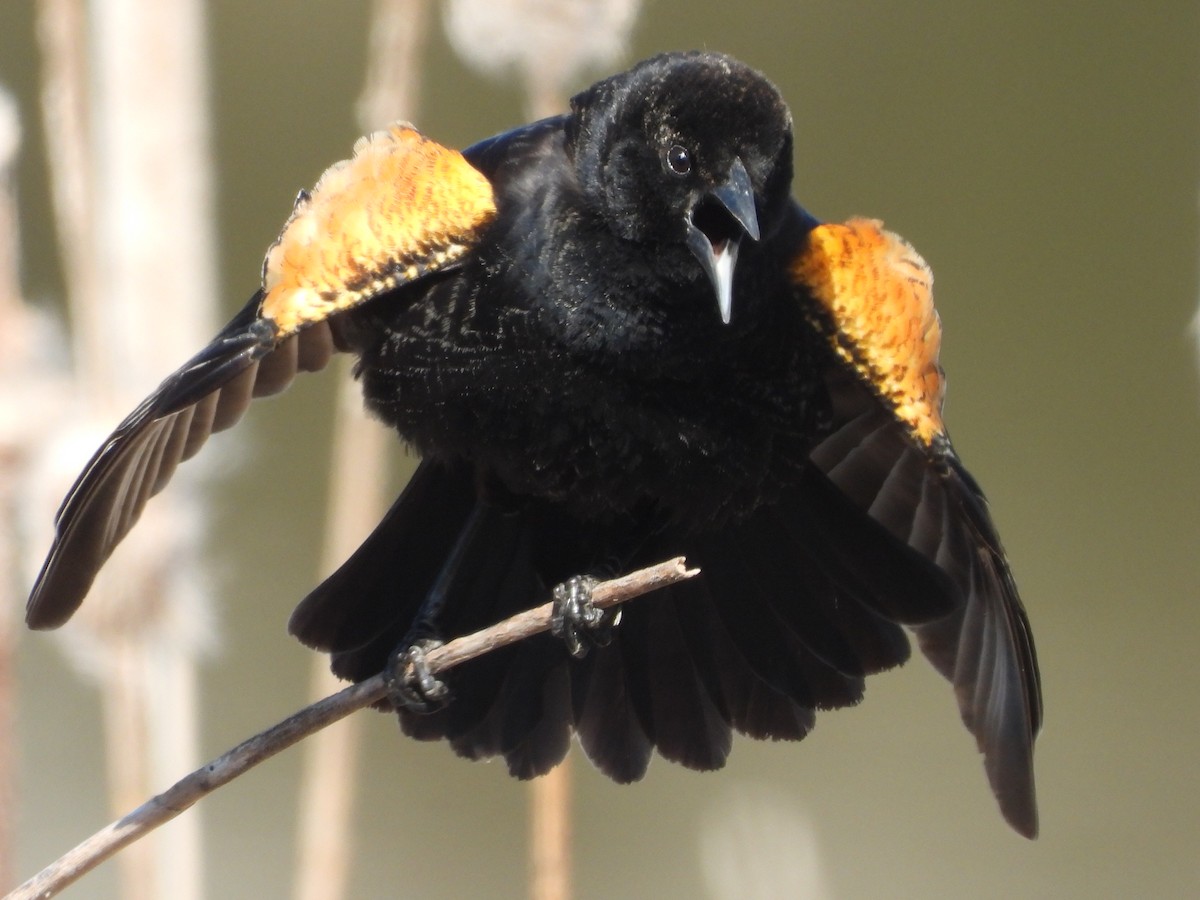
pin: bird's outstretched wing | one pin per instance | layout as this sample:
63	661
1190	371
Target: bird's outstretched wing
889	454
401	208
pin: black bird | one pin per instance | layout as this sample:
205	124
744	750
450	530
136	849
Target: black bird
613	338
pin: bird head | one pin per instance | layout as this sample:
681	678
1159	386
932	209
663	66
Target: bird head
689	154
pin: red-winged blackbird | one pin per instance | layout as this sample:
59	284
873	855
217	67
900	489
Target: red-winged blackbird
536	316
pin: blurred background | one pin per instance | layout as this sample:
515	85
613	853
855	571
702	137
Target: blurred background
1043	158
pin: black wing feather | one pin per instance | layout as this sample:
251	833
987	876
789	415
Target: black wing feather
209	393
925	500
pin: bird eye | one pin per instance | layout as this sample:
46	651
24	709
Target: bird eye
679	159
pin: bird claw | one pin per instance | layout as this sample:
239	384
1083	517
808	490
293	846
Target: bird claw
576	620
410	684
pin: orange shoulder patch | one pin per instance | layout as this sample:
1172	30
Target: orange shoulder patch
878	293
402	207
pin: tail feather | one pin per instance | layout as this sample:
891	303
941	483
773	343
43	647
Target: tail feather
747	702
498	582
899	584
794	586
376	593
674	706
529	721
768	634
773	651
609	727
535	719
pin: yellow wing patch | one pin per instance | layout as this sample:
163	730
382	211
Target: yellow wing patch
402	206
878	291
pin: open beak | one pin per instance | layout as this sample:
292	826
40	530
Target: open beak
716	226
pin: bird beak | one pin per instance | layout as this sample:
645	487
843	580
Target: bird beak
716	226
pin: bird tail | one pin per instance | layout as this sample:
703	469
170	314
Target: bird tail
445	559
757	644
364	609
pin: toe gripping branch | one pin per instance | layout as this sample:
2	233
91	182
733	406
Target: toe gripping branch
577	620
410	684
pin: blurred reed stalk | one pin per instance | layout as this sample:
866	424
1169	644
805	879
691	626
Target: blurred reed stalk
550	834
547	45
125	107
548	42
16	349
756	843
357	498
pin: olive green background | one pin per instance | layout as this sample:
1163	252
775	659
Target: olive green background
1043	157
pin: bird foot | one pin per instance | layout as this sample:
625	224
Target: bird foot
410	684
576	620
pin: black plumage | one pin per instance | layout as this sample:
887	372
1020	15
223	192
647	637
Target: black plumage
614	338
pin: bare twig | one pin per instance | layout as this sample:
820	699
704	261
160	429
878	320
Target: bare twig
188	790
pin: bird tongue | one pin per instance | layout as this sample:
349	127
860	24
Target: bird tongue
716	225
717	251
724	255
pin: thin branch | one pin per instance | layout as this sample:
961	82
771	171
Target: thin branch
188	790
